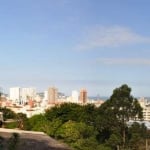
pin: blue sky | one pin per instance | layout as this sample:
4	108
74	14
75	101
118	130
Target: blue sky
72	44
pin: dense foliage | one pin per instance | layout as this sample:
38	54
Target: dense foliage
7	113
94	128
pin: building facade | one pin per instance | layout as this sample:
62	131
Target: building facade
145	104
75	96
27	93
15	94
52	95
83	96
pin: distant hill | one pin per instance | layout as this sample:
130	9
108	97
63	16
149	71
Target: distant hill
98	98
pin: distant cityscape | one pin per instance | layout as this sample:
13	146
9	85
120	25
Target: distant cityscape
30	102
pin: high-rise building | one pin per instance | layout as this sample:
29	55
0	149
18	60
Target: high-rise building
28	93
83	96
52	95
75	96
45	96
14	94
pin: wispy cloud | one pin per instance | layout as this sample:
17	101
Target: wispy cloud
124	61
110	37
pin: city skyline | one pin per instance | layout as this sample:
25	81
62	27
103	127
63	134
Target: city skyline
73	44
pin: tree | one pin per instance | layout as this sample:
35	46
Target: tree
55	124
114	141
78	134
87	144
124	107
137	110
65	112
37	121
23	122
106	123
41	123
103	147
137	136
88	114
7	113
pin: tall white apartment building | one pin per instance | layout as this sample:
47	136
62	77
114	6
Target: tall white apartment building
14	94
45	95
75	96
28	93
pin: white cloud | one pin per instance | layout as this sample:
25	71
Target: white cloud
124	61
110	37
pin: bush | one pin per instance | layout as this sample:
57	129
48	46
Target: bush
11	125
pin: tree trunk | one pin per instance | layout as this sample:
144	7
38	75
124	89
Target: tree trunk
146	144
124	137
